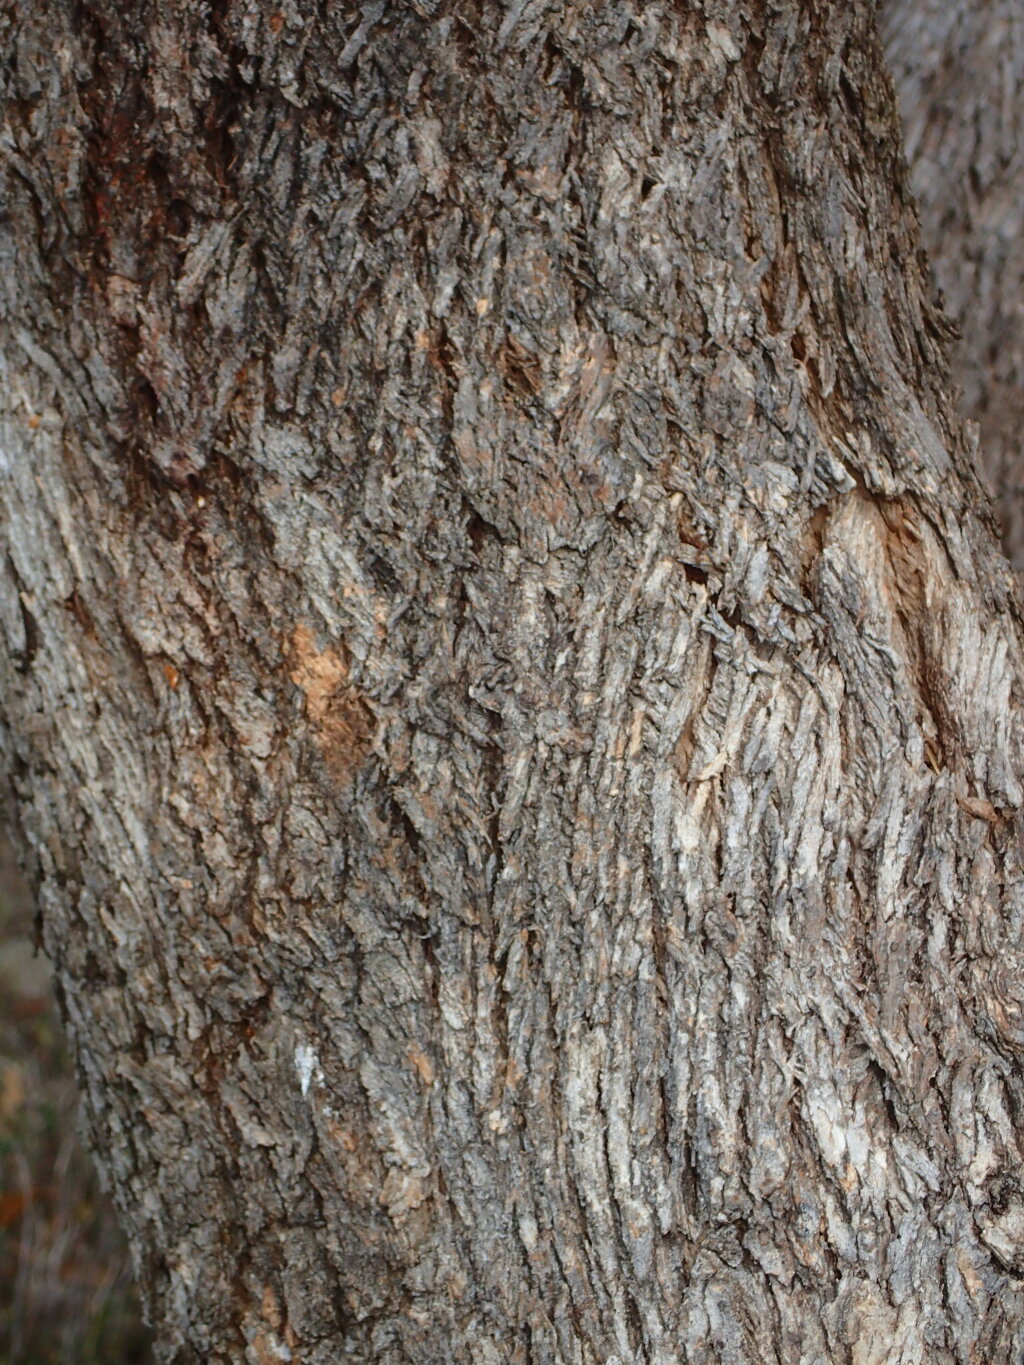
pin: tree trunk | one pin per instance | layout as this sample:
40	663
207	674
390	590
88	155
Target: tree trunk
512	697
959	70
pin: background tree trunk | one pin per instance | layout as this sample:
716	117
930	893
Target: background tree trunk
959	71
512	698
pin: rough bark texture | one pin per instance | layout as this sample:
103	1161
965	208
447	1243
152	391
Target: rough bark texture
959	71
510	690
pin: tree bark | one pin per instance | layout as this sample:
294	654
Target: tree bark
959	71
511	694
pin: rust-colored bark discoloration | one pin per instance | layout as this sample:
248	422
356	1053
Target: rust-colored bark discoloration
343	723
918	596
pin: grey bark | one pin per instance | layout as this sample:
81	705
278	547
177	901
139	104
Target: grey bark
511	694
959	71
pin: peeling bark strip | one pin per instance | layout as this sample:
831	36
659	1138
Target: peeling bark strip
510	690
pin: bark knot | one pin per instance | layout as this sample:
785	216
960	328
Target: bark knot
1001	1221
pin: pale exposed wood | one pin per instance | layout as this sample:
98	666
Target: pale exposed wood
511	694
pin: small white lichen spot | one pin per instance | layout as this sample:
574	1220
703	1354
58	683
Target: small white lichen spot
305	1064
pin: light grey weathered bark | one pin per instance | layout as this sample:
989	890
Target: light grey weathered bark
512	699
959	72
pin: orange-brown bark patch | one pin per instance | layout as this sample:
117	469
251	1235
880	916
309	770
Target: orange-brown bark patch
343	722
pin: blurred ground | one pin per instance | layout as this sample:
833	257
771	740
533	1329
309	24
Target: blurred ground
66	1292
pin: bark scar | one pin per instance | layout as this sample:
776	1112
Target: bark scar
343	722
